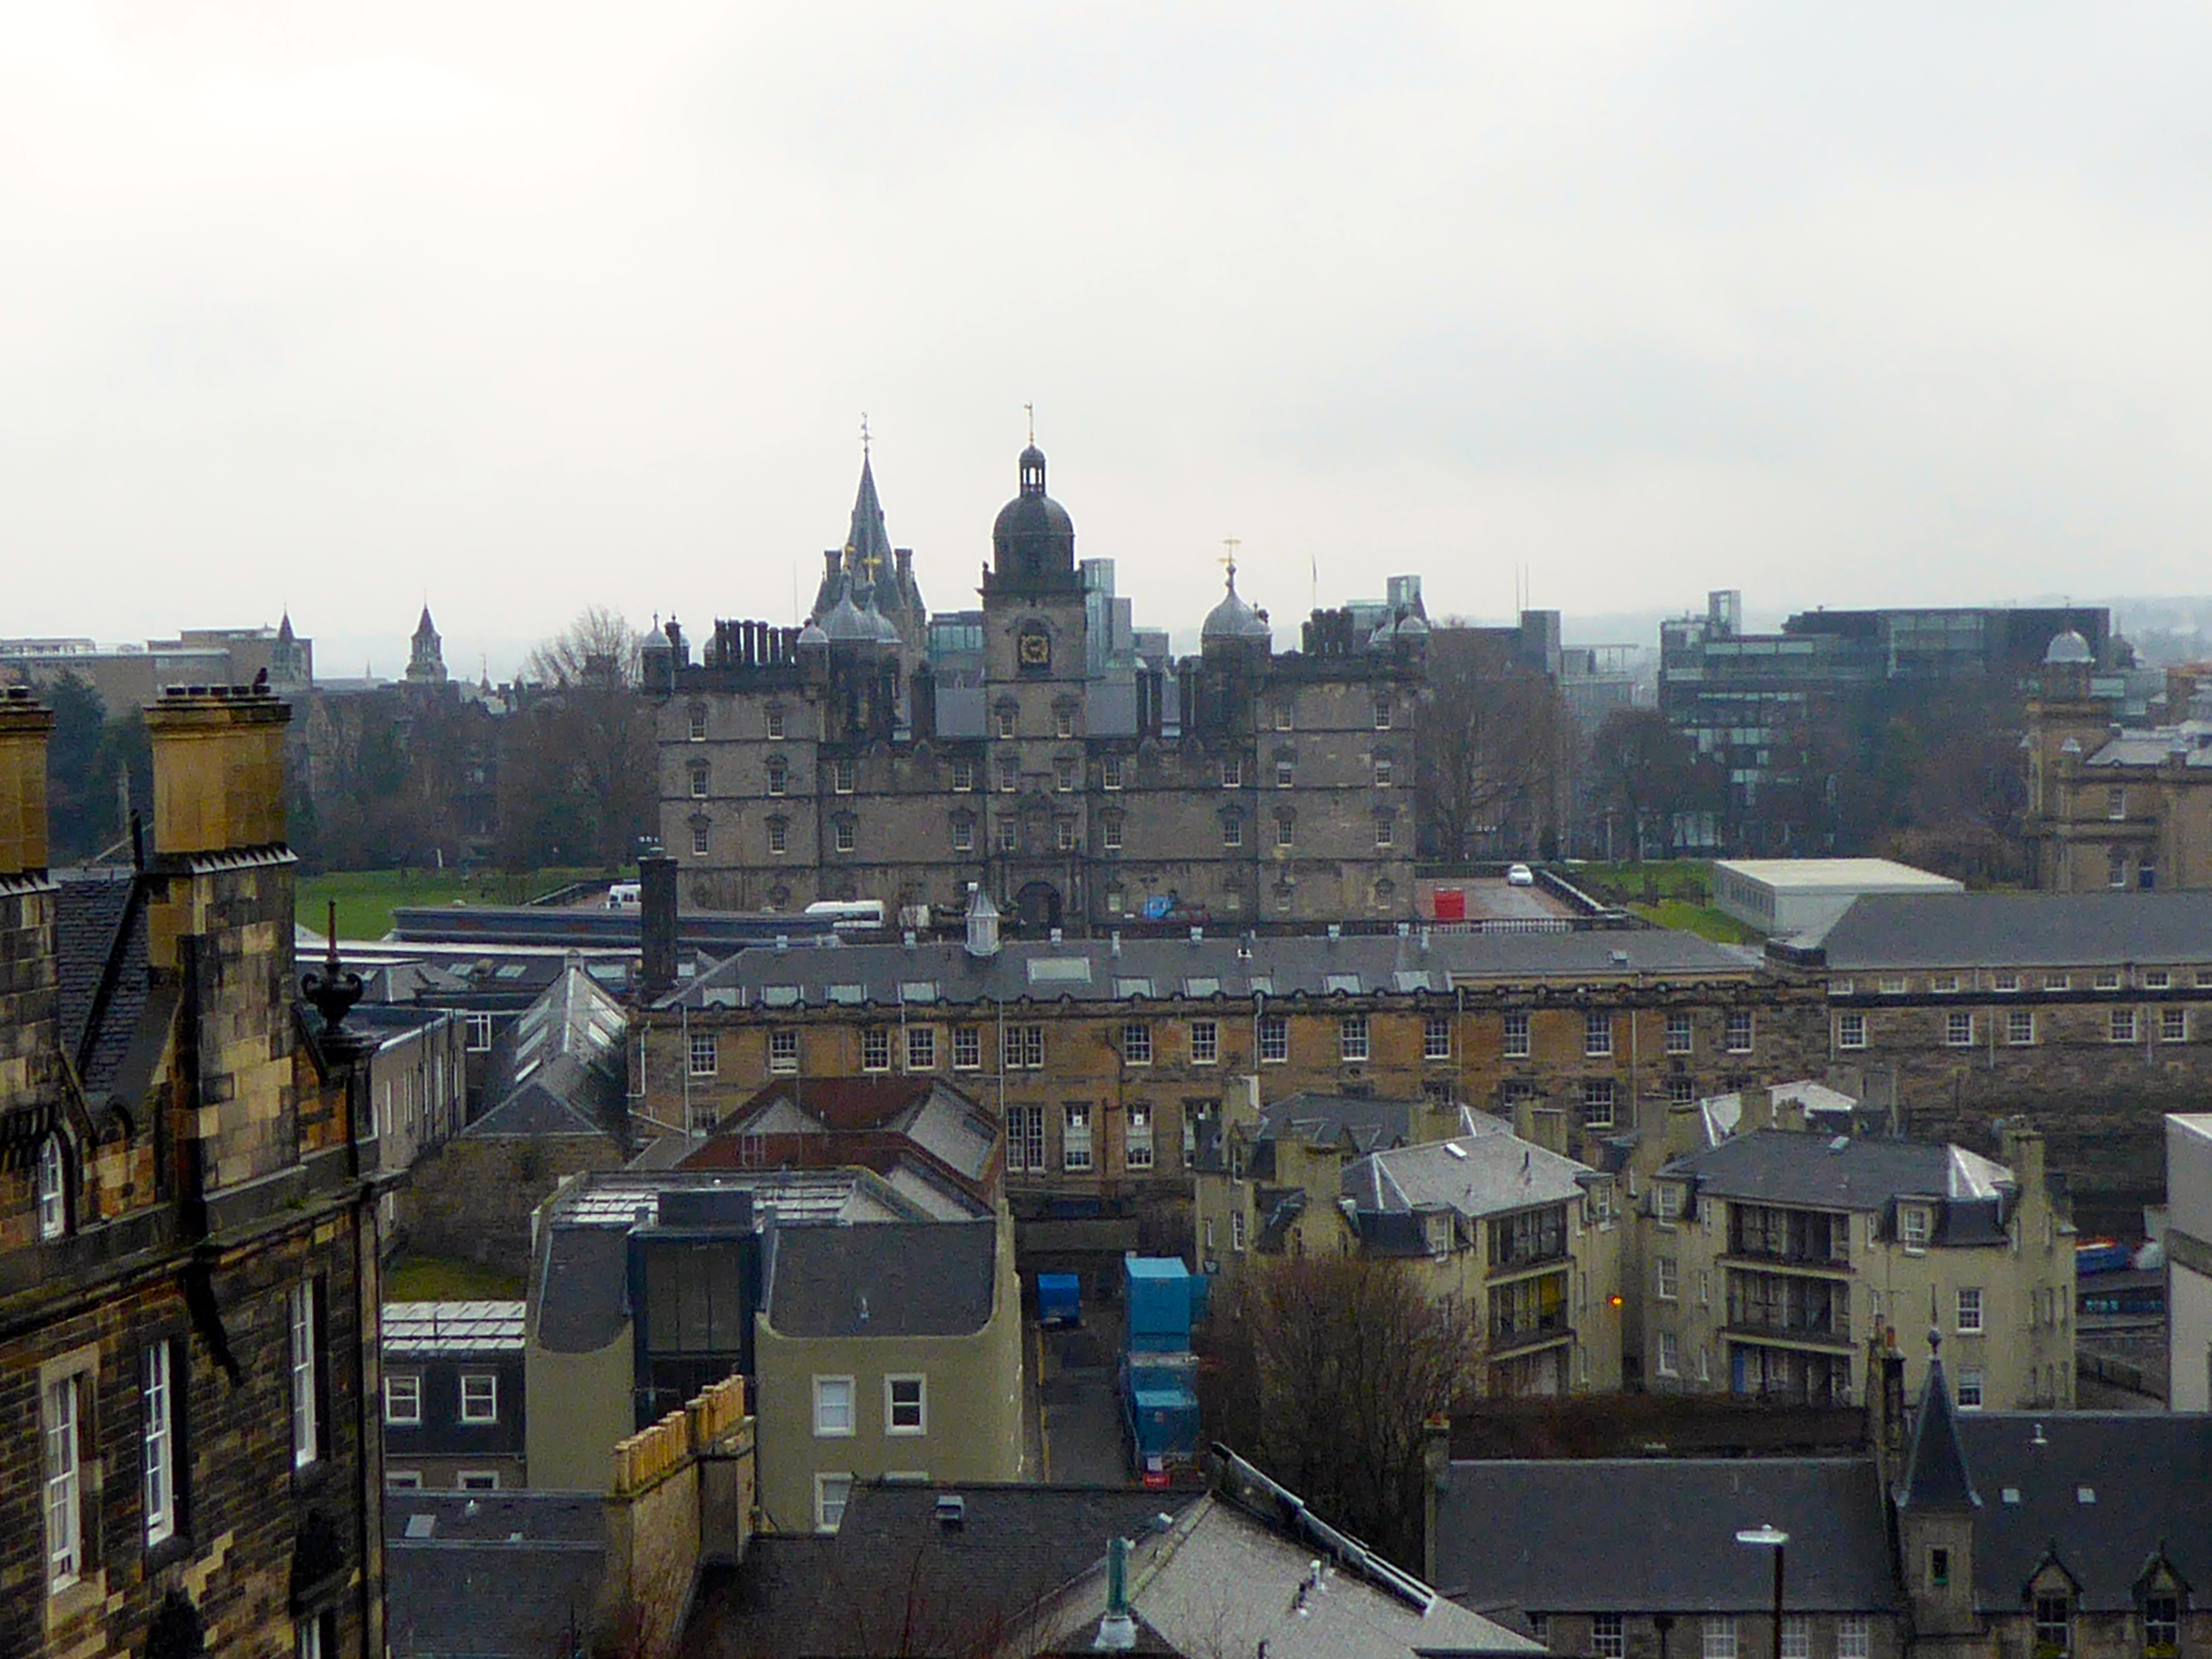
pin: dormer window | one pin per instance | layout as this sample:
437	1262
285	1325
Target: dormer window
53	1180
1913	1225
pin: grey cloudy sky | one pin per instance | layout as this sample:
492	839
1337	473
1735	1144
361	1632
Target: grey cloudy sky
523	306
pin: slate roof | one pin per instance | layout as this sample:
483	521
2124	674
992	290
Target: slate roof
1249	1569
501	1573
849	1115
578	1290
1836	1172
105	991
1368	1125
1935	1473
2147	1480
1094	970
893	1278
2010	930
560	1067
1525	1535
893	1560
1486	1173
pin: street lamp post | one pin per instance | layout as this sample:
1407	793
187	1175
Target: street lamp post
1771	1538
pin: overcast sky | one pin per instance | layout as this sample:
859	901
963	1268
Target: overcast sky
519	307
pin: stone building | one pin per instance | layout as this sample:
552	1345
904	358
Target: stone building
1527	1239
1080	782
1955	1536
188	1229
878	1320
1770	1258
1105	1058
2111	806
2085	1016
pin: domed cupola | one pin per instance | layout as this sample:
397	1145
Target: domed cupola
2069	649
1233	620
1033	542
844	623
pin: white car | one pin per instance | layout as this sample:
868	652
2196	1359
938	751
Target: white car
1519	875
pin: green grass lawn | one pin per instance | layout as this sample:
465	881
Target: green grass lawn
425	1278
367	898
1700	919
1654	881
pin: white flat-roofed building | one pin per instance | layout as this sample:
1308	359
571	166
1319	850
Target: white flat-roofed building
1791	895
2189	1261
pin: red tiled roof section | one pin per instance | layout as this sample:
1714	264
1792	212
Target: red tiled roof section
855	1113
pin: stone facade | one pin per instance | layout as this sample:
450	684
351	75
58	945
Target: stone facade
2112	808
1730	1303
1104	1087
1077	780
188	1238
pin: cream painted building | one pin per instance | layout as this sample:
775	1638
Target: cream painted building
1772	1258
2189	1262
1528	1238
645	1288
892	1352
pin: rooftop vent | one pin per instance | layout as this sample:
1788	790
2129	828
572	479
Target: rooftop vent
1335	932
1057	936
1621	958
1198	935
952	1511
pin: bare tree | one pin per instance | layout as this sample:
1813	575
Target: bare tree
1494	740
590	764
1643	771
1328	1368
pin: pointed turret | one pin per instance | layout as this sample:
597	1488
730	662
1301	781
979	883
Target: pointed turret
868	545
1936	1506
426	659
1935	1475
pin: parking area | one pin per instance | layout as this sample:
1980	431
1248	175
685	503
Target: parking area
1492	898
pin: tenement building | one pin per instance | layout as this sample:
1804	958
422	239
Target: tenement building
2111	806
1041	749
1772	1258
1104	1057
2086	1015
188	1229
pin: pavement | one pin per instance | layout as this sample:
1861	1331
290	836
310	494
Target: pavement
1080	1416
1494	900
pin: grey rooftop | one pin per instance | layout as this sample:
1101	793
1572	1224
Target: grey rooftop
2011	930
1838	1172
1208	969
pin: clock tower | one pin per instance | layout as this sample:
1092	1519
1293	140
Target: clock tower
1035	657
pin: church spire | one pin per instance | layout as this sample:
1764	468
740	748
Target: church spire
1935	1476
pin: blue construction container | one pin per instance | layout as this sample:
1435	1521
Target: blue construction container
1157	1300
1059	1298
1159	1403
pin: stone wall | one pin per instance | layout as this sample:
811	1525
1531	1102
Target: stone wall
681	1498
470	1200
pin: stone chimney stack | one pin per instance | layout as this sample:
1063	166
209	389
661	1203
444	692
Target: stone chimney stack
24	724
656	873
218	769
30	1027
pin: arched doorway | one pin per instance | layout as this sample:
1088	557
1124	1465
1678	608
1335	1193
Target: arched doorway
1038	907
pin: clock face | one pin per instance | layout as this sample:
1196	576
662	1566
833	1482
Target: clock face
1035	650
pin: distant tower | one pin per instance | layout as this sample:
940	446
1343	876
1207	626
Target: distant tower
425	661
288	658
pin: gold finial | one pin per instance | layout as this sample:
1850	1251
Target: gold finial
1030	410
869	562
864	432
1230	544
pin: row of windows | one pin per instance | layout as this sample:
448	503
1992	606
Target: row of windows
1023	1046
845	833
66	1437
2017	1028
403	1398
905	1405
697	724
1719	1637
1065	776
2102	979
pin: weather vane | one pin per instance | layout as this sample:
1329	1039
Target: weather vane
864	432
1030	410
1230	543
